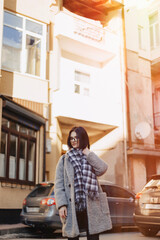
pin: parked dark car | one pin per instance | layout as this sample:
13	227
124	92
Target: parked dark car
147	208
39	207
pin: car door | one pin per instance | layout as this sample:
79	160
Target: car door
112	204
124	205
121	204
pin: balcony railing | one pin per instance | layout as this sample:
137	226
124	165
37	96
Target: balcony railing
89	31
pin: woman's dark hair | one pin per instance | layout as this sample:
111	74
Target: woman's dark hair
82	136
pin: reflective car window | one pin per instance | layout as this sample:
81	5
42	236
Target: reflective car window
114	191
105	189
153	183
52	193
40	191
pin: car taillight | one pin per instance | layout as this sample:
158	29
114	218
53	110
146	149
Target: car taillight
24	202
48	201
44	184
138	195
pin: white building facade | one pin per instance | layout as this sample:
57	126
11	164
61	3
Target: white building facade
88	87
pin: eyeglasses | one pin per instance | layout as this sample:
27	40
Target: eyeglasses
73	139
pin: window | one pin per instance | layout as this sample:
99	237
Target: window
22	159
23	45
18	152
3	154
114	191
41	191
31	160
13	156
154	30
82	83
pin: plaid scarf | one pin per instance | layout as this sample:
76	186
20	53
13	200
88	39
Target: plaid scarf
85	181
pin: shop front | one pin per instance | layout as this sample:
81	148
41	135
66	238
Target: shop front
22	155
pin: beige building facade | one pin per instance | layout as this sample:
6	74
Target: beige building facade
142	50
23	101
54	76
59	70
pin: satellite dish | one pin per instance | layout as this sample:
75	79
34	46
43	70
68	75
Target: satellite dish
142	130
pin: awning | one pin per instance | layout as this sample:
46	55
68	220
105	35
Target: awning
95	130
22	114
93	9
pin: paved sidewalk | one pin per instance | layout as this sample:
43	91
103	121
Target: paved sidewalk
12	228
21	228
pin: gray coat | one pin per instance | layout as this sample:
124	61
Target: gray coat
64	195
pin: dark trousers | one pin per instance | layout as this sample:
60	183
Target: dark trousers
82	220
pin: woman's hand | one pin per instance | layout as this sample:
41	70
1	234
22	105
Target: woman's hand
63	212
86	151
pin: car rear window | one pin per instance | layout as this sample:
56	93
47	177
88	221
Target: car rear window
41	191
153	184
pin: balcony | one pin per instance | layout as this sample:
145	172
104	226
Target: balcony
93	9
18	85
85	38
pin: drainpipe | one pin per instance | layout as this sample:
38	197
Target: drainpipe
60	5
126	79
127	124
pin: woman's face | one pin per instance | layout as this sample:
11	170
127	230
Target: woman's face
74	140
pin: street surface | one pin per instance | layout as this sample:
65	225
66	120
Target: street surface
134	235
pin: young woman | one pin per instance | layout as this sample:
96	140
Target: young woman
82	204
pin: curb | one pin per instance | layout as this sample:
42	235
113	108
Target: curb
11	230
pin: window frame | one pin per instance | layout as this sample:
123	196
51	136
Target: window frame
82	85
19	135
25	32
153	26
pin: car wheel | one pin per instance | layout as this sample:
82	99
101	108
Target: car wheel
35	228
149	232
